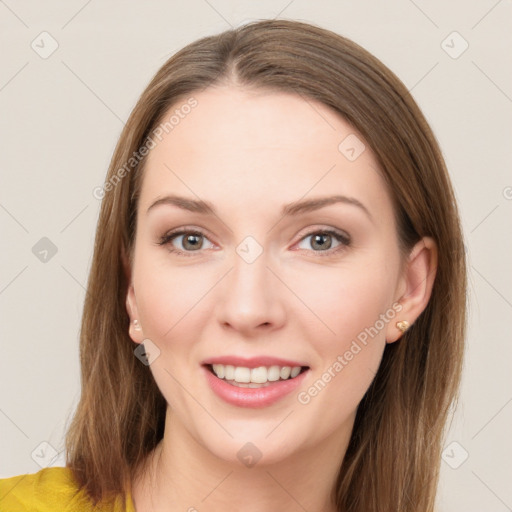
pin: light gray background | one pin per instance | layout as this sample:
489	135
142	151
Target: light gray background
62	115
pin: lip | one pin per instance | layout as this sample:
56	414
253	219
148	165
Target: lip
253	397
252	362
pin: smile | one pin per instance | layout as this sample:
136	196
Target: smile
241	391
255	377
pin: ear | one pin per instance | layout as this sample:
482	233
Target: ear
131	302
415	285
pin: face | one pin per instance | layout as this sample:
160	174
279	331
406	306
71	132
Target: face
317	287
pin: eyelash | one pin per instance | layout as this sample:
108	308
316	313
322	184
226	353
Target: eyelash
344	240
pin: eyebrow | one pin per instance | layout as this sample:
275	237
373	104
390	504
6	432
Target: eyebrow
295	208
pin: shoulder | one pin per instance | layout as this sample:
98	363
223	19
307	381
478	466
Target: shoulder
41	491
48	490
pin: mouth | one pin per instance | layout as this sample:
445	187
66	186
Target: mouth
259	377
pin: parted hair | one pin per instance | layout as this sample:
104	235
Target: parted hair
393	459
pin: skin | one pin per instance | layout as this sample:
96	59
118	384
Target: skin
249	152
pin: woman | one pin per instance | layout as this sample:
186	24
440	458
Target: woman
276	306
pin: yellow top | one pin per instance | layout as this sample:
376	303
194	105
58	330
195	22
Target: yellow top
50	490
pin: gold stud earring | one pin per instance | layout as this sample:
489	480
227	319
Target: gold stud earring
403	325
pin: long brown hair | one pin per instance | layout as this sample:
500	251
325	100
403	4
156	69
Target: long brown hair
393	458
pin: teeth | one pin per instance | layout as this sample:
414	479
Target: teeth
242	374
260	375
295	371
229	372
285	372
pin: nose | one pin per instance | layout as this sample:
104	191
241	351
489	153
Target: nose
250	300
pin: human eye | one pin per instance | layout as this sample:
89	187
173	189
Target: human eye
323	239
191	241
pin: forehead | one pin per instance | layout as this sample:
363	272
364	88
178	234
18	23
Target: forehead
241	146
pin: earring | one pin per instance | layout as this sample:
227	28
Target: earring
137	325
403	325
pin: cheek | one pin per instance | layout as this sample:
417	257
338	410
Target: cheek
344	302
168	297
356	308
